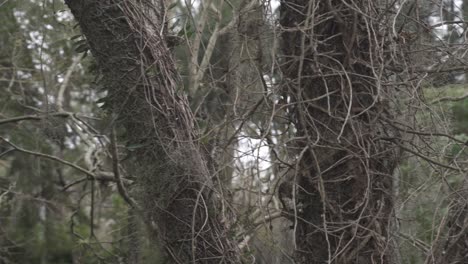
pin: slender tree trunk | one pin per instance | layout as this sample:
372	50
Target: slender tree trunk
245	86
333	55
176	192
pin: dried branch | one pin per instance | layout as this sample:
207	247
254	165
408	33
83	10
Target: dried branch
212	42
76	60
195	48
115	166
426	158
100	176
34	117
450	99
249	234
39	117
418	243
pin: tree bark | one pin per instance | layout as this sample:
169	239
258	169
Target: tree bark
333	55
174	187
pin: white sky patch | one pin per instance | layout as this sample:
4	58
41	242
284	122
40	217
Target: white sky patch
274	4
253	150
64	16
195	4
253	160
441	30
20	18
23	75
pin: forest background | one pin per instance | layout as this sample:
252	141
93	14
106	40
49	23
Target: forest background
233	131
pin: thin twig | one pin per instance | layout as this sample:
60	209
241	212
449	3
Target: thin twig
34	117
115	166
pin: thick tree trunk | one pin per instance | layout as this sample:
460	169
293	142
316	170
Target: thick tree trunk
333	63
175	188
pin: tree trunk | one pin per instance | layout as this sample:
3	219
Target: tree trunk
245	88
175	189
333	56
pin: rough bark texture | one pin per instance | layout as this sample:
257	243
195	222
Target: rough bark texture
334	52
174	186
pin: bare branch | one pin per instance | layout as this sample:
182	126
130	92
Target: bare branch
42	116
34	117
100	176
115	166
66	80
450	99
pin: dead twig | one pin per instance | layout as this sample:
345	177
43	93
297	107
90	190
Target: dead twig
115	166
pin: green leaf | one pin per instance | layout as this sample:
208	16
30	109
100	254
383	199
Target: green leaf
80	42
75	37
82	48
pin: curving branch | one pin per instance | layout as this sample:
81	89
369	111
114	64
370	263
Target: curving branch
39	117
99	176
118	179
34	117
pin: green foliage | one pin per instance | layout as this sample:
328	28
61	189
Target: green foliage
460	115
425	192
37	46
